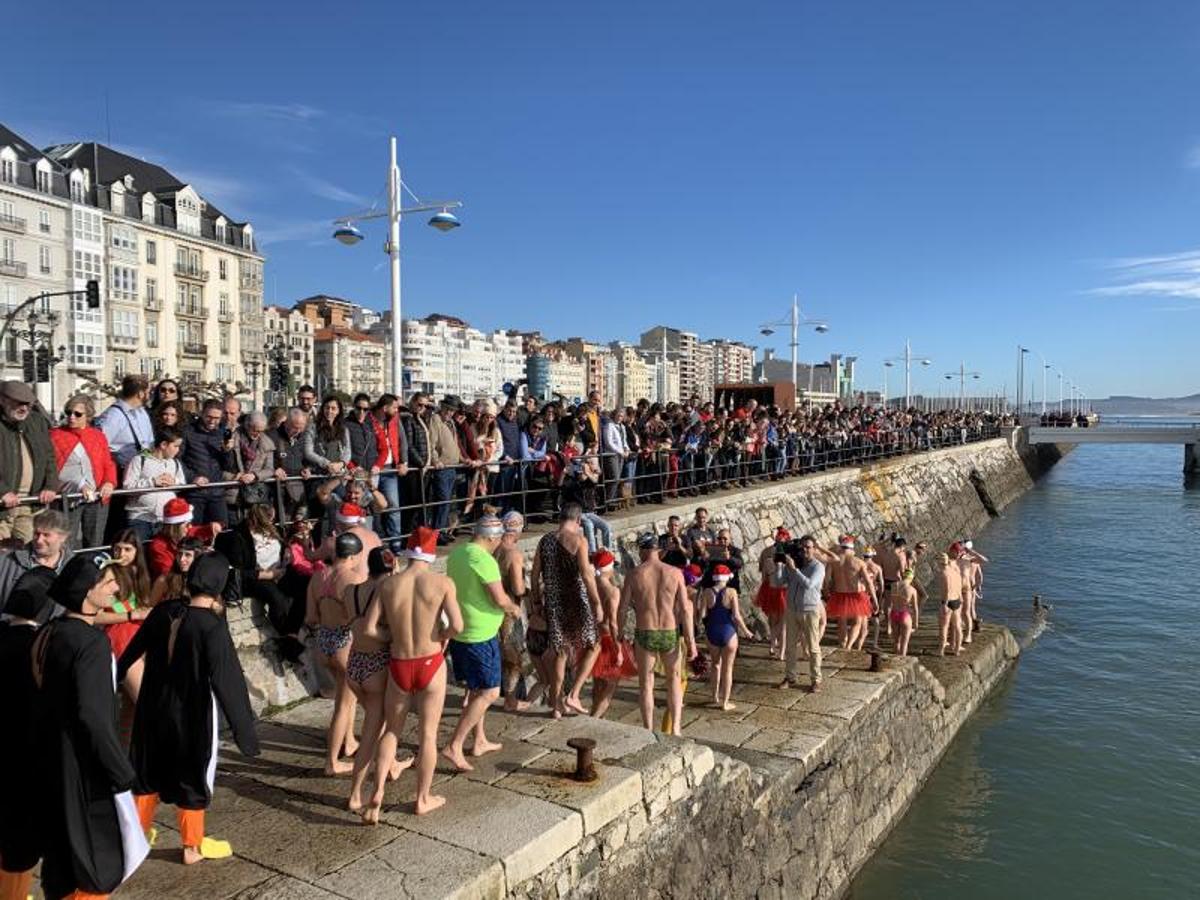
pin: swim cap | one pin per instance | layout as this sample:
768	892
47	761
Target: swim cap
380	561
346	545
489	526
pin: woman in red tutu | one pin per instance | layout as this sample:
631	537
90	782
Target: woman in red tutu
122	622
772	592
616	659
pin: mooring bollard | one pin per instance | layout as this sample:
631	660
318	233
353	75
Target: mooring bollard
876	661
585	766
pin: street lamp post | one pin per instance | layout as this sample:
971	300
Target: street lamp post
794	321
908	360
347	233
963	375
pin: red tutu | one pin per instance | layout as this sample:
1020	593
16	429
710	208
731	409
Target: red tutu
848	605
771	600
606	667
120	634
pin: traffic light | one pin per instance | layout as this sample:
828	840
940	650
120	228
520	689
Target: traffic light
27	366
43	365
93	294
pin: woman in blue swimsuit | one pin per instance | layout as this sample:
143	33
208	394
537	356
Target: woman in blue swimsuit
722	625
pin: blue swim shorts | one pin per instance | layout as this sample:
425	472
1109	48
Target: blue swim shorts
476	665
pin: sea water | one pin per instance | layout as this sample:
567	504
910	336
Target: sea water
1080	776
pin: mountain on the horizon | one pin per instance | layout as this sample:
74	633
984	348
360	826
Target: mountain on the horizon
1121	405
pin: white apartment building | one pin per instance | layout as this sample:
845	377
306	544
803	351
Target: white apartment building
348	361
732	361
35	240
291	331
568	377
682	346
182	282
444	355
601	366
633	375
663	380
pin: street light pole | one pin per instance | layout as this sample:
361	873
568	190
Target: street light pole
394	262
796	346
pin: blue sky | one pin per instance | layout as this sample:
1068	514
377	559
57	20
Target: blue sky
970	176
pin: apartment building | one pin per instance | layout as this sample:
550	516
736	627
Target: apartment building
732	361
347	361
292	332
683	347
633	374
601	366
445	355
182	281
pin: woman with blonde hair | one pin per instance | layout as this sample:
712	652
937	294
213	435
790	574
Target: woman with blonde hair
85	466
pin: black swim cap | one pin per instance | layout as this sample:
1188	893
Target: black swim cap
347	545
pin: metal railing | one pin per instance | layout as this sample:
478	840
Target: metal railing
194	272
537	490
14	224
12	267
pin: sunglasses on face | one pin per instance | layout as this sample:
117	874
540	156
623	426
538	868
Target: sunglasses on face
168	390
77	414
363	408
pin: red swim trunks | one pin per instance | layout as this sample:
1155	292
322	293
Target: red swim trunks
414	675
848	605
606	667
771	600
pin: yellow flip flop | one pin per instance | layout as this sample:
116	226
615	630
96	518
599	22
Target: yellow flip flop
151	835
211	848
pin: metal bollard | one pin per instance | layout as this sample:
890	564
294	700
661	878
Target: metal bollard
876	661
585	766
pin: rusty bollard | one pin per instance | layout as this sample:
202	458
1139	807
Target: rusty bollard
876	661
585	766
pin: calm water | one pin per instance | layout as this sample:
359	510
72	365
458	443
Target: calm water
1080	777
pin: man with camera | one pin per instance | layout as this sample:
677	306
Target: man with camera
804	575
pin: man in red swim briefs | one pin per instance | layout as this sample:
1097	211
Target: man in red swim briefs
421	611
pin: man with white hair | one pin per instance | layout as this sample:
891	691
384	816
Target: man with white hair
289	456
47	548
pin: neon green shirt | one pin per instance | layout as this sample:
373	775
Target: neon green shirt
471	567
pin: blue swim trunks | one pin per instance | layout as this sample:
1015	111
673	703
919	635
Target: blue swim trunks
476	665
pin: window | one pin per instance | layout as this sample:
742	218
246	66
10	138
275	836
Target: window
77	187
151	252
151	290
43	176
224	338
124	283
223	371
8	166
223	306
87	265
86	350
44	221
151	334
222	268
180	333
8	251
124	238
8	213
80	311
118	368
126	326
221	235
181	295
44	260
87	225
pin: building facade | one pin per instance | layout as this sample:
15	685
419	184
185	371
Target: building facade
290	331
732	361
445	355
633	375
684	348
347	361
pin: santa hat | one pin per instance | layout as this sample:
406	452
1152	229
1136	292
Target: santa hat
721	573
956	549
782	535
847	541
422	544
350	514
603	560
691	574
177	511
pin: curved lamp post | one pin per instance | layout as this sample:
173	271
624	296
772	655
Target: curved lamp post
347	232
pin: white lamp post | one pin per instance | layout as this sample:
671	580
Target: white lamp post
963	375
794	321
348	233
908	359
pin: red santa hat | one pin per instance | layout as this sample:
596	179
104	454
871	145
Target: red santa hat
603	560
847	541
721	572
177	511
956	549
422	544
691	574
782	534
350	514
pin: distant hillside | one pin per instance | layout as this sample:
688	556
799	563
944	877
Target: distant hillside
1148	406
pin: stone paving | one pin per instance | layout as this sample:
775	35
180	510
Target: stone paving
517	813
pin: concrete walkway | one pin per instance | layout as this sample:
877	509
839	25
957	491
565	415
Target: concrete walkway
517	815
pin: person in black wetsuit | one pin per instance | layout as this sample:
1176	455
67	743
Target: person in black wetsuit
85	821
19	851
191	668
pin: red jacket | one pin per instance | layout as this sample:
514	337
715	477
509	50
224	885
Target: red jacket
95	445
161	550
388	437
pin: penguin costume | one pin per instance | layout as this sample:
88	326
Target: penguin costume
19	847
86	822
191	669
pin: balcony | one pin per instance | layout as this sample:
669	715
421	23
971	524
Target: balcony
154	304
12	223
250	282
195	273
12	267
191	311
224	315
122	341
189	349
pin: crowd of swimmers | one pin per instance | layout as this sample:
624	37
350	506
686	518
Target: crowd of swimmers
536	632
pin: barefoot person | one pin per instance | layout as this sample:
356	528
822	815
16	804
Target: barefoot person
892	556
806	613
660	605
722	625
616	658
772	593
949	621
511	560
875	576
419	610
970	563
565	583
81	774
852	598
191	669
475	652
328	617
366	667
904	611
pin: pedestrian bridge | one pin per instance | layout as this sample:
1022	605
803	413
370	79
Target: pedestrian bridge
1187	435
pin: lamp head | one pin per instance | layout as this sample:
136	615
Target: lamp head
927	362
821	328
444	221
347	234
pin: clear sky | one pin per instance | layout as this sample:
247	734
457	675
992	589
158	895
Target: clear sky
968	175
